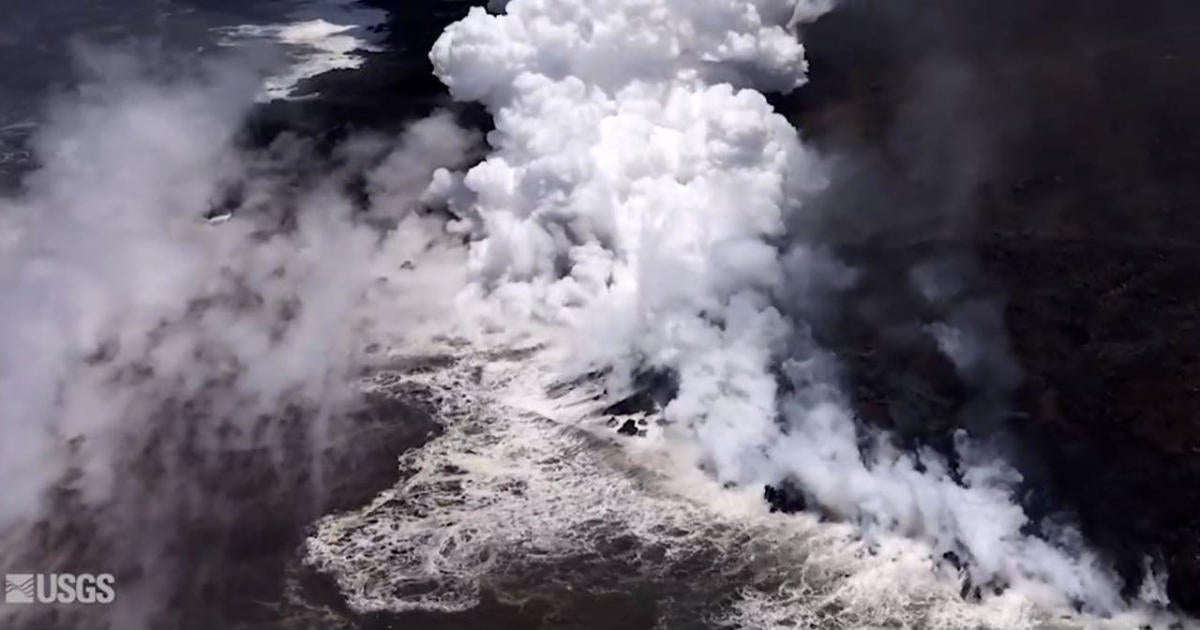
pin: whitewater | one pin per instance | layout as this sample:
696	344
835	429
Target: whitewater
532	496
317	38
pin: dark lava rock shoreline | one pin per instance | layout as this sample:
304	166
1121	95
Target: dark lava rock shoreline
1050	152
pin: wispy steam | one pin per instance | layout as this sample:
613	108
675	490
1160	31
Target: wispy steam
143	344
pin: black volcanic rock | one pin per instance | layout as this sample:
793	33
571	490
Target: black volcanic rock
629	428
652	391
639	402
785	497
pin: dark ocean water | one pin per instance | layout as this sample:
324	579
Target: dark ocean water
43	45
38	40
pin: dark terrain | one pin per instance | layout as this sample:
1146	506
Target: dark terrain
1044	156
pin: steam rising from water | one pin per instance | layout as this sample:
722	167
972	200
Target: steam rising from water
143	345
637	192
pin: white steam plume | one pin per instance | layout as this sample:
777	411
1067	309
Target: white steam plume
139	342
637	191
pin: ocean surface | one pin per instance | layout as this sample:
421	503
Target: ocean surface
45	47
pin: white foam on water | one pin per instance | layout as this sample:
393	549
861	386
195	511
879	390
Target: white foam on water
12	150
24	126
324	37
528	494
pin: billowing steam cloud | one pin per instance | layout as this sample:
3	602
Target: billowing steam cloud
147	335
634	190
638	191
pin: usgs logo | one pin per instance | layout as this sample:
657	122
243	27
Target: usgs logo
59	588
